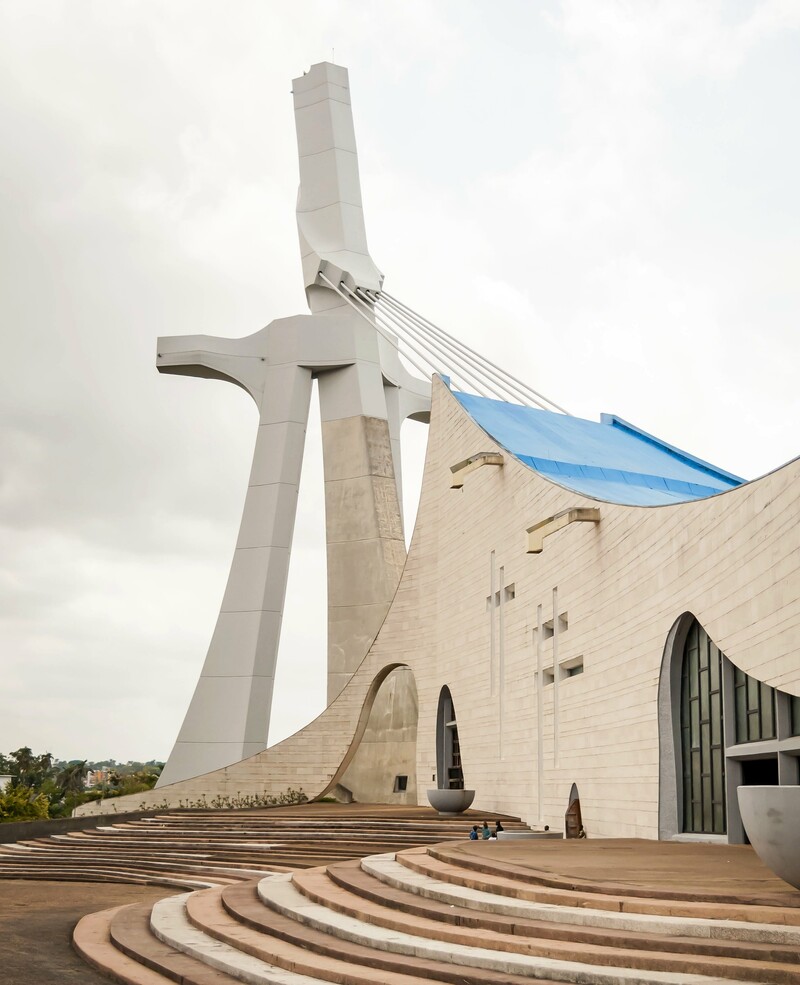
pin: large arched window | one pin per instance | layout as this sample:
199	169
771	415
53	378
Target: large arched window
719	729
702	735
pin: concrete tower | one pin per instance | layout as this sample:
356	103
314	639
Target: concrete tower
365	394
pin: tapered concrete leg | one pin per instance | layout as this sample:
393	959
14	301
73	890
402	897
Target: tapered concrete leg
228	718
365	547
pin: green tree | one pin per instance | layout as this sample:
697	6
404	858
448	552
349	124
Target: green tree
22	804
29	770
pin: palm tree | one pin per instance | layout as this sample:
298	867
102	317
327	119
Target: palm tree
30	770
70	778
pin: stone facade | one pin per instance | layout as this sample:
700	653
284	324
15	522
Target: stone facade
530	726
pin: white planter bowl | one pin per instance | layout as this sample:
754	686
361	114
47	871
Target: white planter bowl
771	818
450	801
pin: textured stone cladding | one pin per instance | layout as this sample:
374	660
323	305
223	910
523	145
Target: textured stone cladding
732	560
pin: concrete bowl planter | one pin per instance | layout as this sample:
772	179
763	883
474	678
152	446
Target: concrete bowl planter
771	818
450	801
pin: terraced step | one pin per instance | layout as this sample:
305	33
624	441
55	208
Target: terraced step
487	913
202	848
130	933
517	938
489	875
359	882
92	941
636	869
347	963
279	893
469	914
244	904
389	871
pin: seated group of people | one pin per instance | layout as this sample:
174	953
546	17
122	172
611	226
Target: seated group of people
486	833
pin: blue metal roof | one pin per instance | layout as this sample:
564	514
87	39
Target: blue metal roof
610	460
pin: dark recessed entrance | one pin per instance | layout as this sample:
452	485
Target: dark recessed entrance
448	751
573	823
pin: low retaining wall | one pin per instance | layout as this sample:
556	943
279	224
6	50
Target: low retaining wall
23	830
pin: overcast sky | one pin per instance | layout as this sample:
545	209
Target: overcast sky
601	196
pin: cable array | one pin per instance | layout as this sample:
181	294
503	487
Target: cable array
430	349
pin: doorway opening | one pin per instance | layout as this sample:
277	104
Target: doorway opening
573	822
448	749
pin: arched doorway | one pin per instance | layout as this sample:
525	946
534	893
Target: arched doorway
573	822
449	773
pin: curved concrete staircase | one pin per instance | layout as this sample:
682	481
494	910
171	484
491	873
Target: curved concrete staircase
466	913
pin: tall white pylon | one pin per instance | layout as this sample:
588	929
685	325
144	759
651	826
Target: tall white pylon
365	395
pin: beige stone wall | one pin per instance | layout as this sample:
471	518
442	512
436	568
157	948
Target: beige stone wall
733	561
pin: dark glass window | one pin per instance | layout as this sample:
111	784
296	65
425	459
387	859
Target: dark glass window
755	708
702	735
795	714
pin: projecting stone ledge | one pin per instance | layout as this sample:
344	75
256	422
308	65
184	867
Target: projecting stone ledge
462	469
538	532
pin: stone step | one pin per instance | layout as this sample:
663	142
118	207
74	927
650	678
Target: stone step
453	912
494	878
91	940
207	912
241	857
279	893
129	932
189	850
461	824
771	891
267	835
525	938
390	872
306	816
244	905
150	871
78	874
52	854
142	861
217	869
240	852
352	877
170	924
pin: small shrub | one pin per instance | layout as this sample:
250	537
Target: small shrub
226	802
